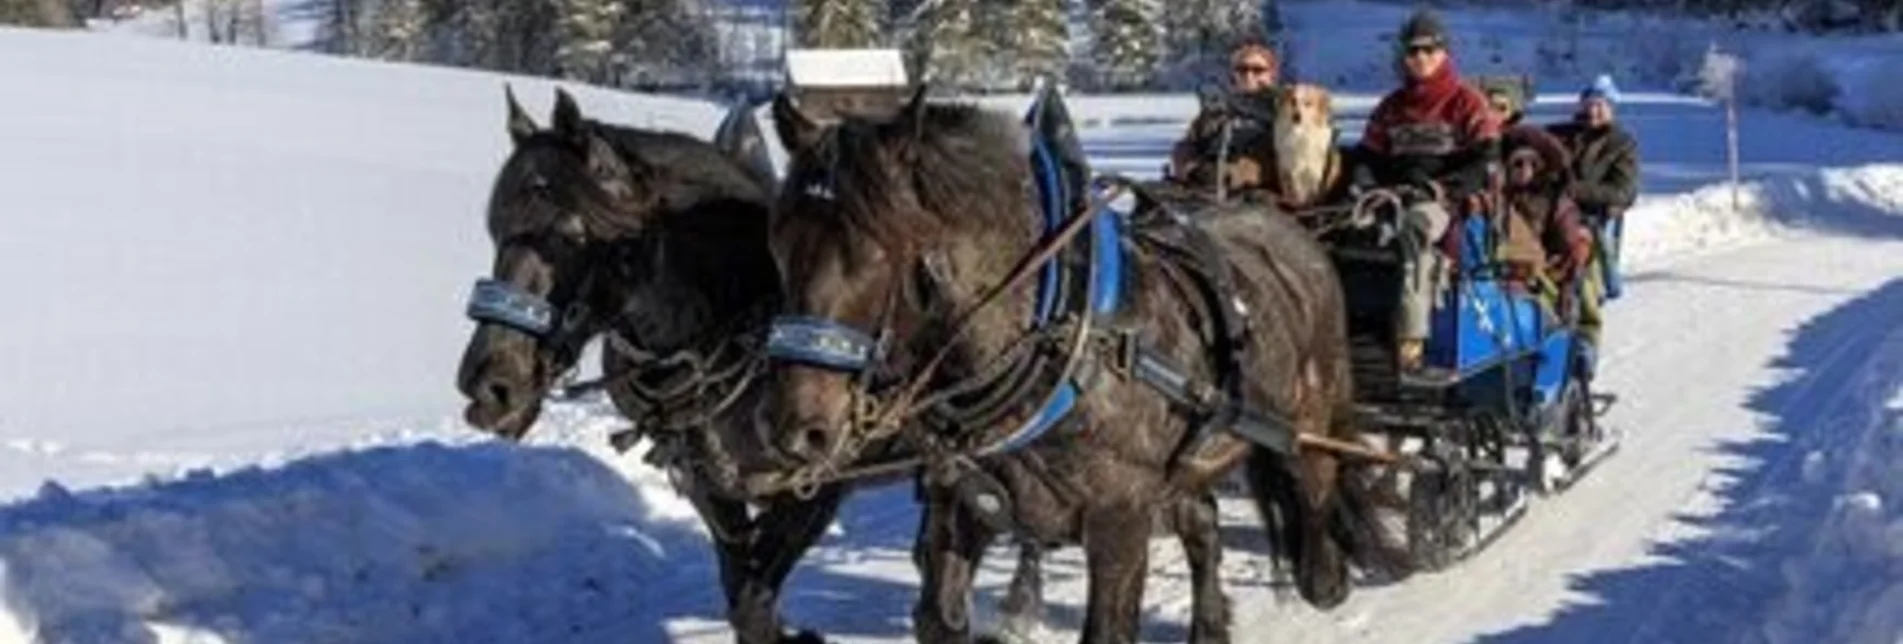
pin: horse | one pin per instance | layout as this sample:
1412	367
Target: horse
654	241
904	244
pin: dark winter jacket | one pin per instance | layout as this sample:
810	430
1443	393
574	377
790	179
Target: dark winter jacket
1545	229
1251	121
1437	129
1605	167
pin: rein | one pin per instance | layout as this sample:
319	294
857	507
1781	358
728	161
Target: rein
841	347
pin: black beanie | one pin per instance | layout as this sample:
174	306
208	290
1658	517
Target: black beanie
1424	29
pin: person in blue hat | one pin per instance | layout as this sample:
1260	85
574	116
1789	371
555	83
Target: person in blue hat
1605	166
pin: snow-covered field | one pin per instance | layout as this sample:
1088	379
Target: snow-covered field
227	413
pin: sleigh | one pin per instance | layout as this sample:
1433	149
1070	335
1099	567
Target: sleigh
1504	405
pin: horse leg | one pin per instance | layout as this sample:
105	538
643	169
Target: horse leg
786	530
1023	607
733	536
1117	554
950	545
1196	522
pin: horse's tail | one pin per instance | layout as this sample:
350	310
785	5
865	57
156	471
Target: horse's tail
1277	492
1369	520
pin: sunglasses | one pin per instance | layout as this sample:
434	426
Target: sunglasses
1252	70
1420	50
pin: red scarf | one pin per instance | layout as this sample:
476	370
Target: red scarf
1436	88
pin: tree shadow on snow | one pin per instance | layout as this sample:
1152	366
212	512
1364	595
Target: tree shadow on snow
860	581
1718	587
419	543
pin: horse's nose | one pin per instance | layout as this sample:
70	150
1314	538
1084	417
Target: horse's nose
490	399
811	442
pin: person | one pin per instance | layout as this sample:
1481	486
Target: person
1605	168
1246	111
1545	246
1506	97
1435	135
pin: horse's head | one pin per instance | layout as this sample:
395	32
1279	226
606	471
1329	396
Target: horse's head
562	201
884	230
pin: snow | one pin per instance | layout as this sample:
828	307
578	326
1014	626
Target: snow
224	248
226	412
1852	78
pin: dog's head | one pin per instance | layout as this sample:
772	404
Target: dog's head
1308	105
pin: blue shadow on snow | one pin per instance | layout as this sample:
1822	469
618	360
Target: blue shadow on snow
1716	588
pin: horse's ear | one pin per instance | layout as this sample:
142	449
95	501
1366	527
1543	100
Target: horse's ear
624	178
521	127
796	131
568	119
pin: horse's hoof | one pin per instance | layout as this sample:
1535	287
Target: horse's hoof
803	637
1006	636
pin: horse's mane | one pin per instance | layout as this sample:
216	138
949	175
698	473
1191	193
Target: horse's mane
957	158
692	170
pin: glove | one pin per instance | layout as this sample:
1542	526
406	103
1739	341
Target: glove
1417	176
1363	178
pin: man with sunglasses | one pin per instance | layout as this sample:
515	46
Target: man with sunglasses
1436	138
1247	111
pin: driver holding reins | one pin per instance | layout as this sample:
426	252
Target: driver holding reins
1436	138
1247	112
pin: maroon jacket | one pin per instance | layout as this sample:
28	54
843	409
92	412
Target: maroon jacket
1437	129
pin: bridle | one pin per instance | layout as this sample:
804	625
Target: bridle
701	380
882	406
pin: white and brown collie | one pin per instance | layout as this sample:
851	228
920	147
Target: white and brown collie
1305	155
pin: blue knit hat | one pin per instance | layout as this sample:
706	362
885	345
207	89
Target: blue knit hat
1601	87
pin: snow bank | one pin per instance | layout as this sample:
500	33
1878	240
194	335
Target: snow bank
1847	586
1663	228
422	542
221	254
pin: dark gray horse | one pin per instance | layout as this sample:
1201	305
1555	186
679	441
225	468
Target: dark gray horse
905	243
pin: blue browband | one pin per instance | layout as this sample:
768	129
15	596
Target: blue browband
503	303
821	343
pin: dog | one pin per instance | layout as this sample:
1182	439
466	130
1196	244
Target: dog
1307	161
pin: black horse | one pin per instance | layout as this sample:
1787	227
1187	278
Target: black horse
907	245
655	241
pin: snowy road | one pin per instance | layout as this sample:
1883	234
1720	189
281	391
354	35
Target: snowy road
213	430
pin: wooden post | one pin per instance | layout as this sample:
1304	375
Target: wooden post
1731	151
1719	79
